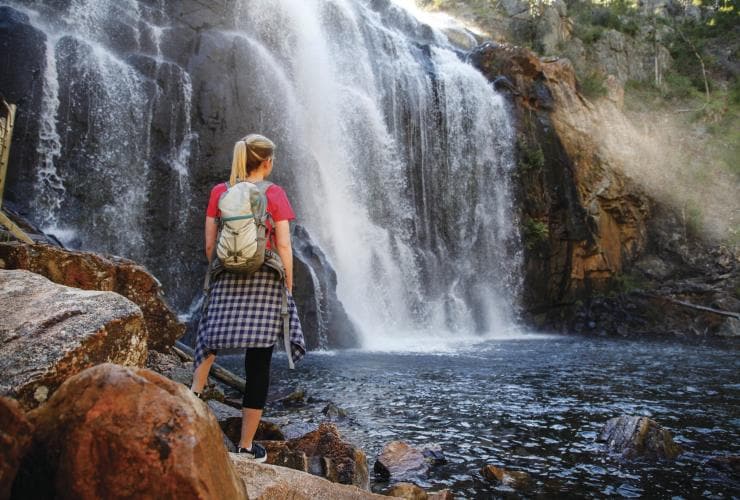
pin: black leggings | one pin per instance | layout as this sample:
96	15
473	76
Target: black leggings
257	367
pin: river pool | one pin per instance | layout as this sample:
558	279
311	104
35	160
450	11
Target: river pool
532	404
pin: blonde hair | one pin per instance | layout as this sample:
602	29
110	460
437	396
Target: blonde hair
249	153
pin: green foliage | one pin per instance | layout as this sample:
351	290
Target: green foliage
678	86
531	156
593	18
592	84
692	217
535	233
734	93
629	282
588	33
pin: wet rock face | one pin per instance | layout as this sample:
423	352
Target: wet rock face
90	271
634	437
85	442
583	221
21	82
15	440
323	318
50	332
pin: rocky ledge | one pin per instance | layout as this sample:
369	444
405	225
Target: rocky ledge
91	271
49	332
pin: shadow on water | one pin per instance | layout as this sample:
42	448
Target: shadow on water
534	405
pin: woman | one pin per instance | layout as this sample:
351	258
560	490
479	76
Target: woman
245	311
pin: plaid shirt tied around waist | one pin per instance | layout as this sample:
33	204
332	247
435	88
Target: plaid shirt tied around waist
245	311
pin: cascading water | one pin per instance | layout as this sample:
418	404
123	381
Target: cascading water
409	192
107	92
396	153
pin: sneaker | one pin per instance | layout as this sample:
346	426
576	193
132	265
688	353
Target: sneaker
256	452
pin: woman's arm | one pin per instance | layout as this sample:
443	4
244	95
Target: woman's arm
211	231
285	250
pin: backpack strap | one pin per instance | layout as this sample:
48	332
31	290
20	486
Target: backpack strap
286	326
263	187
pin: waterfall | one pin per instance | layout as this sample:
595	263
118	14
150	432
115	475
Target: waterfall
115	123
396	153
409	191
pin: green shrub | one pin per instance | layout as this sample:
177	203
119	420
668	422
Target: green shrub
626	283
592	85
588	33
692	218
677	86
734	92
531	156
536	233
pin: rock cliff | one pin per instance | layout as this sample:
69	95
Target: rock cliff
601	255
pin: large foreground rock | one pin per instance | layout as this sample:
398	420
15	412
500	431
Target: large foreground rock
90	271
50	332
270	482
118	432
15	439
634	436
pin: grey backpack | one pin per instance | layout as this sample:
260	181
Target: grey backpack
241	242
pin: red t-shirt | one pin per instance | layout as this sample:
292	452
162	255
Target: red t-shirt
278	206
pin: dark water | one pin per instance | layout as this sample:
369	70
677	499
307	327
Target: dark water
533	405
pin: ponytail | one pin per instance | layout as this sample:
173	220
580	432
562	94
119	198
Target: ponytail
239	163
249	153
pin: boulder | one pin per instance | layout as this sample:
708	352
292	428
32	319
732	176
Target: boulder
268	482
280	453
322	452
49	332
90	271
128	433
341	462
634	436
517	480
398	460
171	367
434	455
334	412
15	440
407	490
292	399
